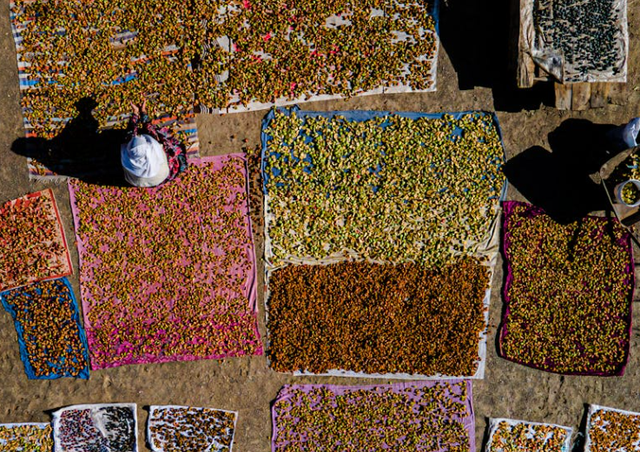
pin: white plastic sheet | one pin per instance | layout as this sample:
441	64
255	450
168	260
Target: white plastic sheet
633	437
494	424
184	429
538	41
87	428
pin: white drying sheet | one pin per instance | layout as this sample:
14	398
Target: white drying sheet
493	427
489	251
99	421
39	425
156	444
540	20
335	22
592	410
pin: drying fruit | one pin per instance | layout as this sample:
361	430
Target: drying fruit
568	292
384	189
426	416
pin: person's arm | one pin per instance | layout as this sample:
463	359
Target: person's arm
152	130
134	122
147	127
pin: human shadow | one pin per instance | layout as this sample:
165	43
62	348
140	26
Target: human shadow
579	443
477	37
558	181
81	150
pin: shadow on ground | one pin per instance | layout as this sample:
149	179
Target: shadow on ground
558	181
80	150
476	36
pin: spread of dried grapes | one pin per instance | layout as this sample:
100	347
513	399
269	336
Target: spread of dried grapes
176	428
388	189
52	340
216	53
26	438
377	319
169	273
611	430
568	292
520	436
30	227
91	428
423	417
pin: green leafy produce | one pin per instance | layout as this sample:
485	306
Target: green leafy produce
387	189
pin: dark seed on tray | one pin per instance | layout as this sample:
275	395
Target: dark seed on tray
585	32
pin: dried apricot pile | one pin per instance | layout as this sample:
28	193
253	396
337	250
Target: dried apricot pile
568	293
26	438
30	228
169	273
376	318
611	430
519	436
385	189
90	428
175	428
52	340
426	416
217	53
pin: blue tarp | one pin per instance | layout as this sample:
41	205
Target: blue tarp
57	369
361	116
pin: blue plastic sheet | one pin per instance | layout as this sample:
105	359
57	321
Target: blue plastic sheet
70	332
361	116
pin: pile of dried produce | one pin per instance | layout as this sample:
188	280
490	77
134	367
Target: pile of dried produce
90	428
180	429
30	227
52	340
376	318
568	293
384	188
423	417
508	435
26	438
589	36
168	274
611	430
408	201
217	53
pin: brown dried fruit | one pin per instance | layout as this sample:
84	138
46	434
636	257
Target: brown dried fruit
373	318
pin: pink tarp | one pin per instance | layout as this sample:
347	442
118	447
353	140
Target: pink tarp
433	416
169	273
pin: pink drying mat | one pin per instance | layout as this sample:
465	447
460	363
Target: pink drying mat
168	273
288	392
507	209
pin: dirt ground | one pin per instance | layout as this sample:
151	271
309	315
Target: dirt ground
472	75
